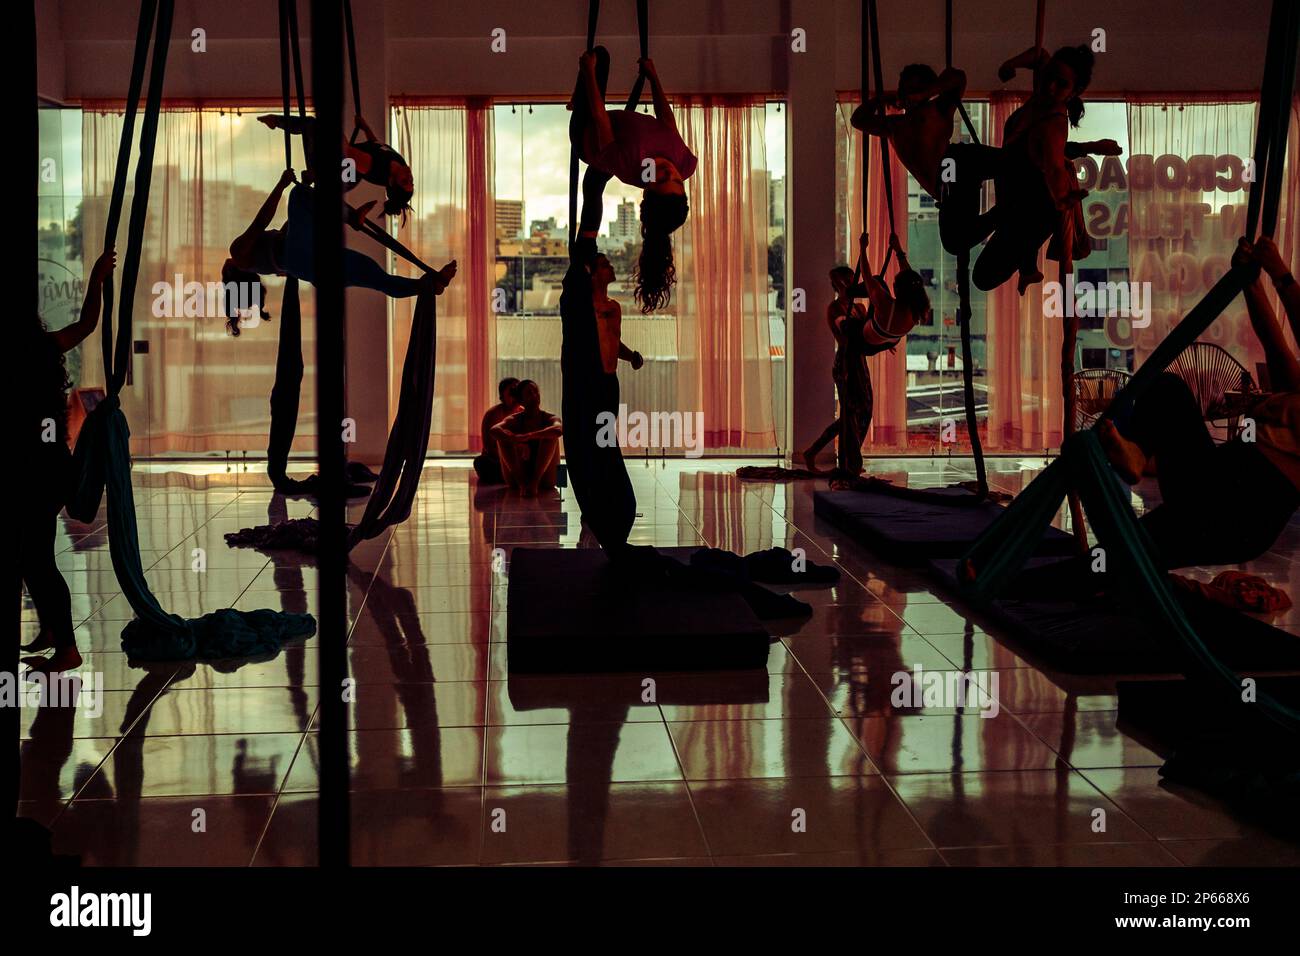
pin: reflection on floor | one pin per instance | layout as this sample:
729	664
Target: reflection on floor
451	763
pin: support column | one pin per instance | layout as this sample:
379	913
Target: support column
810	242
369	362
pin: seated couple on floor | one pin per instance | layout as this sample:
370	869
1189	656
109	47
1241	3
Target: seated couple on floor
521	440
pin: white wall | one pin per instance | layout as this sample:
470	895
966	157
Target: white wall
437	47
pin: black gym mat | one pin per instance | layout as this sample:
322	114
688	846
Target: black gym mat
568	612
542	692
1103	637
907	531
1163	714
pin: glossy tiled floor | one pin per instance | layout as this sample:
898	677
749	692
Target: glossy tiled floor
455	762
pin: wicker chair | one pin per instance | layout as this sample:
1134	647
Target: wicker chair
1211	372
1093	390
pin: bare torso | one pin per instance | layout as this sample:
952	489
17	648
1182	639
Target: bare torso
609	327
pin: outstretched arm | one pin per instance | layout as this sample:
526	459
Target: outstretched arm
1283	367
1095	147
630	356
867	118
663	111
69	337
1288	289
595	100
264	215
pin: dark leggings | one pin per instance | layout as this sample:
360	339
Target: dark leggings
297	255
596	471
1026	217
961	225
38	525
1220	504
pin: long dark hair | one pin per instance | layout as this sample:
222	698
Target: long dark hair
909	289
1080	60
655	273
233	280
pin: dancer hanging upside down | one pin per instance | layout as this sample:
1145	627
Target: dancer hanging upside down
289	250
643	151
376	162
860	333
43	442
1038	192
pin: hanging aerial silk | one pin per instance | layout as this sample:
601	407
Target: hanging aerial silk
398	481
103	452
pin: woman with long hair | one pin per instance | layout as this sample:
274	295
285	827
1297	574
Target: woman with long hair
643	151
1038	192
43	446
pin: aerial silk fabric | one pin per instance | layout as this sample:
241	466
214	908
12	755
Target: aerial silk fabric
103	453
393	494
1008	543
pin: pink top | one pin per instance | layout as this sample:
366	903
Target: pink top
638	137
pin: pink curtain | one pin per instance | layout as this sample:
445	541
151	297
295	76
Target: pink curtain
197	389
724	298
1024	348
1181	236
888	369
449	148
1288	226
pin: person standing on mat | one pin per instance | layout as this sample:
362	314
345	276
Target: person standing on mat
488	464
260	251
859	334
528	442
43	447
1220	503
645	152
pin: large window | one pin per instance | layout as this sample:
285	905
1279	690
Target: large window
61	279
532	225
1162	218
194	388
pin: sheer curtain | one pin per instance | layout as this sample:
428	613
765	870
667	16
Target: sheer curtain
724	352
888	369
1024	347
1182	259
449	148
196	389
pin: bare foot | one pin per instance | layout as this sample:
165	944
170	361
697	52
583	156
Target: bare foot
44	641
1126	457
1028	278
63	659
810	462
